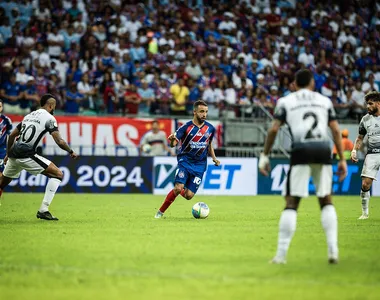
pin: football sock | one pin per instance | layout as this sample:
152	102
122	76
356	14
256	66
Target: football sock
168	201
365	201
51	188
330	225
287	228
1	192
183	192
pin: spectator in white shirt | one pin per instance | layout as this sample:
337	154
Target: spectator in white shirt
193	69
228	23
21	76
87	90
237	80
62	66
370	85
55	41
306	58
213	96
41	55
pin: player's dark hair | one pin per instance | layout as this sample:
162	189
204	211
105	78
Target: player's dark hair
45	98
198	103
372	95
154	122
303	78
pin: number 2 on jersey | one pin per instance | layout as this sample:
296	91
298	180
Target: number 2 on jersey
311	134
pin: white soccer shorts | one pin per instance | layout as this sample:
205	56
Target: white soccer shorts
34	165
297	181
371	166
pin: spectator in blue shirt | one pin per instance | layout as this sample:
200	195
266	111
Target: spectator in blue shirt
137	52
11	93
195	94
73	100
147	97
319	79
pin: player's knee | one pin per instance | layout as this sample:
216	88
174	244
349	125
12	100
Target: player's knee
366	185
177	189
59	174
189	195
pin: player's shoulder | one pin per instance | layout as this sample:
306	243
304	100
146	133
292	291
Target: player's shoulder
6	118
366	118
210	125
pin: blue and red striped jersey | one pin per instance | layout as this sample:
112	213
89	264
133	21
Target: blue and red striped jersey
195	141
5	130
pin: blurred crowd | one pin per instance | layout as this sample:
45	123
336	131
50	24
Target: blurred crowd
160	56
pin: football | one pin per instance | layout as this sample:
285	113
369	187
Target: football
200	210
146	148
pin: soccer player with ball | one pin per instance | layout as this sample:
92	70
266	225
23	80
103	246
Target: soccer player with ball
196	143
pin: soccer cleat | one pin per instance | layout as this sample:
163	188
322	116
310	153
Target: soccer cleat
278	261
333	261
363	217
159	215
46	216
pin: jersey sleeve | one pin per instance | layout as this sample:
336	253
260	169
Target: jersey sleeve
181	131
362	129
331	112
51	125
9	126
280	111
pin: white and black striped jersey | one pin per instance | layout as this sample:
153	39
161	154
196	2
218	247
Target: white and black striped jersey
32	129
370	125
307	114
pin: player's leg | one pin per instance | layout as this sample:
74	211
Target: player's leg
322	178
35	165
192	185
55	178
369	172
296	187
365	195
12	170
179	183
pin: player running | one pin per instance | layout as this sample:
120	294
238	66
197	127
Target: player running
369	125
21	152
196	142
5	131
309	116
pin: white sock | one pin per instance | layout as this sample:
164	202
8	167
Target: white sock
365	201
51	188
329	221
287	227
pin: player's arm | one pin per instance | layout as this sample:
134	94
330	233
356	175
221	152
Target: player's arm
337	138
357	146
359	140
62	144
11	138
212	154
176	136
264	166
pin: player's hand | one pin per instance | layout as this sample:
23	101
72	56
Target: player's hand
74	155
216	162
173	140
354	158
264	165
5	159
342	169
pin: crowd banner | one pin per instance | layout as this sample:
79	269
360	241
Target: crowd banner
235	176
101	136
274	183
93	174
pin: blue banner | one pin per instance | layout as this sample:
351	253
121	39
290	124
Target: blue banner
274	183
94	174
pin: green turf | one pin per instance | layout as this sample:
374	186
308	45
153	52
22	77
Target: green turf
111	247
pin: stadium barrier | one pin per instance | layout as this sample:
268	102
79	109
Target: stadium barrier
235	176
109	136
274	183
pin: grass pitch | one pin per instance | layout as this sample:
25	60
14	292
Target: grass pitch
111	247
